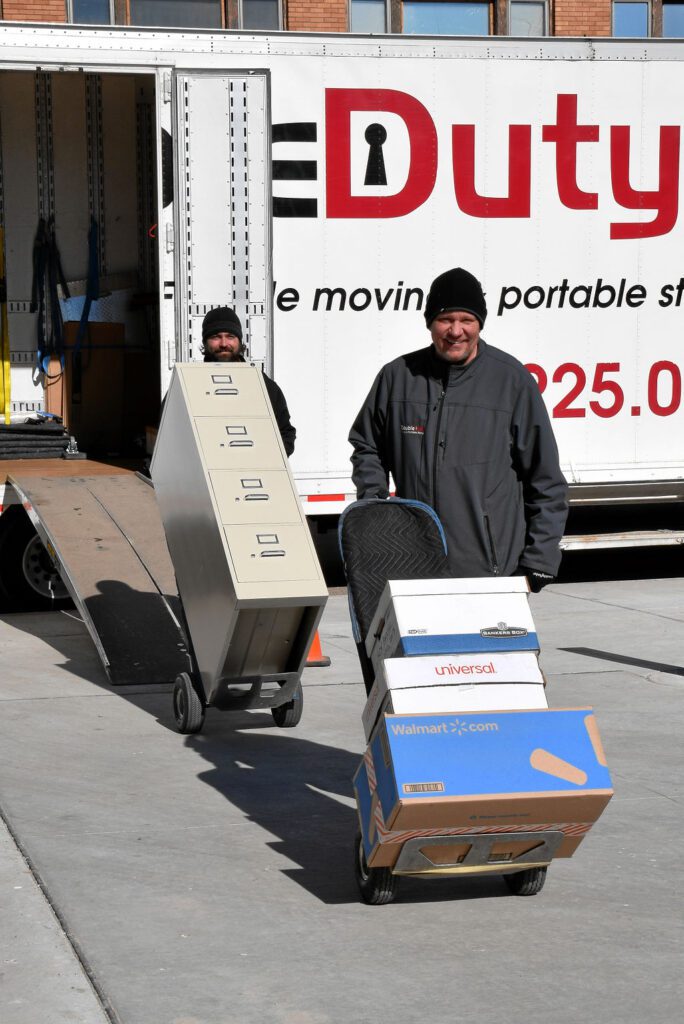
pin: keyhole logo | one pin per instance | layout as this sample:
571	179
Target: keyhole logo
368	149
376	136
379	154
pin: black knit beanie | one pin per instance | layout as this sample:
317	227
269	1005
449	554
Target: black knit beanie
455	291
223	318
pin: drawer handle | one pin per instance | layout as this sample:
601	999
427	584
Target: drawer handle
226	391
272	554
241	444
256	497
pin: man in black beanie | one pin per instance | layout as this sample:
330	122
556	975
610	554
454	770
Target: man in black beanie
462	426
222	343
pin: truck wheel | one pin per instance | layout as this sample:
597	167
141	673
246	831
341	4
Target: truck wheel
376	885
188	709
526	883
29	580
286	716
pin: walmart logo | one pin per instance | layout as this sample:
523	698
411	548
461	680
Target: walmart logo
456	726
460	727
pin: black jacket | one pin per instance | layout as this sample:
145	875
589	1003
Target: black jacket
476	444
282	414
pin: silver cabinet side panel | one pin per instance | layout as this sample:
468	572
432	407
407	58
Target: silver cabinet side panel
193	535
251	585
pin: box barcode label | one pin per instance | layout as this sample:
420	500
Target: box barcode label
423	787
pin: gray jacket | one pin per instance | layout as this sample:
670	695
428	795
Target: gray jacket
476	444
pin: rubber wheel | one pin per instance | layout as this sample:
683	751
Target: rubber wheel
188	709
526	883
376	885
286	716
29	581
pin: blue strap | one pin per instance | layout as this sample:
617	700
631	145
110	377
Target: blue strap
92	284
38	290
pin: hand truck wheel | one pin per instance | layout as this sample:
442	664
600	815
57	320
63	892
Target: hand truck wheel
287	715
188	709
376	885
526	883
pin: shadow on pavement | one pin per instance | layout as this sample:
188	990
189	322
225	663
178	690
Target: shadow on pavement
301	792
142	641
66	634
296	789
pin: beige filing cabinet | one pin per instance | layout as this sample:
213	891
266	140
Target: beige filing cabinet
247	571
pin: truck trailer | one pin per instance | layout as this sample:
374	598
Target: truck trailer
318	183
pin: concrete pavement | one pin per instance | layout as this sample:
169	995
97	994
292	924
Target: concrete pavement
208	879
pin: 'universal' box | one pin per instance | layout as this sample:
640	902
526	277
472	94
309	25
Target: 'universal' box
432	617
516	771
459	682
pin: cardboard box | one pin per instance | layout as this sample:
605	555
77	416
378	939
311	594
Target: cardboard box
94	383
104	395
431	617
467	697
458	674
504	772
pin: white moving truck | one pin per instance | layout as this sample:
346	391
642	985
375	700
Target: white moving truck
549	168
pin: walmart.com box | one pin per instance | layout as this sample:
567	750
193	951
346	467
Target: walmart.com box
502	771
422	617
458	682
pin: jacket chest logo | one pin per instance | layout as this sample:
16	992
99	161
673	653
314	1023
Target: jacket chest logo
412	428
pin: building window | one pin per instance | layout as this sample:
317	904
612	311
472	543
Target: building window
446	18
527	19
90	12
368	16
263	14
630	19
673	20
176	13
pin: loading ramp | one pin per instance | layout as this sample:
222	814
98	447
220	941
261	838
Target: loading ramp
102	529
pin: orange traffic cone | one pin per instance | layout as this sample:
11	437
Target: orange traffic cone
315	658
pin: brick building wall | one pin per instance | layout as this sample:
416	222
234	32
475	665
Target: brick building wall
567	17
581	18
34	10
316	15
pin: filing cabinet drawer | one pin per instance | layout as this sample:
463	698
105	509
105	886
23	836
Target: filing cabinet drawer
239	443
275	553
224	390
263	497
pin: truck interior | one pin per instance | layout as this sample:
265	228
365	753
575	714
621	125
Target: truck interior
78	201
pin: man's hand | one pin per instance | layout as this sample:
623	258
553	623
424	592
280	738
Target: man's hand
535	577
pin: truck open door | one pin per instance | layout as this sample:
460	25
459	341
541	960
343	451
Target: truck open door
215	237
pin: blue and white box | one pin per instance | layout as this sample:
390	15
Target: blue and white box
454	616
493	772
